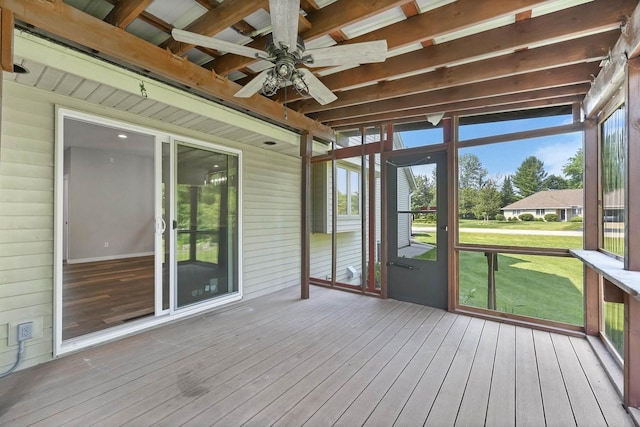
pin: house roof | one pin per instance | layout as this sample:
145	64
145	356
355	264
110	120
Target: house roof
445	56
550	199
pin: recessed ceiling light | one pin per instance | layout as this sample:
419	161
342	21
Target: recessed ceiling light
122	135
269	143
216	166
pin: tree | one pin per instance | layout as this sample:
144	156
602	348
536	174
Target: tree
471	174
530	176
507	194
488	201
555	182
466	201
424	193
573	169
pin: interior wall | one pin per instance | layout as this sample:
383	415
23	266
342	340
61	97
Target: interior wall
111	199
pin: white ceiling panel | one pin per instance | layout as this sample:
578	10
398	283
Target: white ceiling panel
475	29
147	32
555	6
427	5
178	13
376	22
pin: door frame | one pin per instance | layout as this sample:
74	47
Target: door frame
61	347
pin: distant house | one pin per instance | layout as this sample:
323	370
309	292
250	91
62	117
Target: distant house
565	203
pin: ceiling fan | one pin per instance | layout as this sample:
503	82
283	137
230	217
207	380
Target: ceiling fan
286	50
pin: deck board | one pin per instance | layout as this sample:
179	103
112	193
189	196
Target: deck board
335	359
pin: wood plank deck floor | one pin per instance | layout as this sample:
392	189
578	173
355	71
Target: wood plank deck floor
335	359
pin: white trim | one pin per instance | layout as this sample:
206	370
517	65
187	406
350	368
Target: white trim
108	257
160	317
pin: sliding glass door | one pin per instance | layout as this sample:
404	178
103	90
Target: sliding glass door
206	225
148	228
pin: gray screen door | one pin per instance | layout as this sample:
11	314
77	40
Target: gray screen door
417	234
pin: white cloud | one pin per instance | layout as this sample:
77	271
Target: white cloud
556	155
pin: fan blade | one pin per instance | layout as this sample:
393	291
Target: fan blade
219	45
284	22
254	85
317	89
356	53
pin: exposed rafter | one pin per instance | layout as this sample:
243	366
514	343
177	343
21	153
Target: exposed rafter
599	15
324	21
555	77
126	11
65	21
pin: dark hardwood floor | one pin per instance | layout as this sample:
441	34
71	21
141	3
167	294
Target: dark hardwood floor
102	294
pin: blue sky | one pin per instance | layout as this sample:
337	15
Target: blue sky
503	159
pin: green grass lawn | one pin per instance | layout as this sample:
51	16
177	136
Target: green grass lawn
517	225
526	240
537	286
520	225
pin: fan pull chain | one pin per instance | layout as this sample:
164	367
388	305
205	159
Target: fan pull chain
286	117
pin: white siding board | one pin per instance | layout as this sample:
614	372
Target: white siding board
27	248
25	261
25	300
21	160
24	223
17	182
26	196
26	235
271	187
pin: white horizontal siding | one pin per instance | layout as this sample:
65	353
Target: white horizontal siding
271	240
26	219
271	211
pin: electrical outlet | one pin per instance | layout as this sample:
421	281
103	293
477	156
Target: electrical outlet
106	244
25	331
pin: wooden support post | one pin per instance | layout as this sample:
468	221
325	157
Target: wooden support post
387	145
632	185
306	152
371	273
6	40
450	128
590	220
631	352
492	266
632	237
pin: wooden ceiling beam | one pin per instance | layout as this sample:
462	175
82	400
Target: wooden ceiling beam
587	49
323	22
551	96
241	26
489	109
555	77
126	11
597	16
612	76
67	22
445	19
215	20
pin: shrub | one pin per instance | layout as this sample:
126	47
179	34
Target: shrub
526	217
540	219
513	219
576	219
431	217
551	217
499	217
